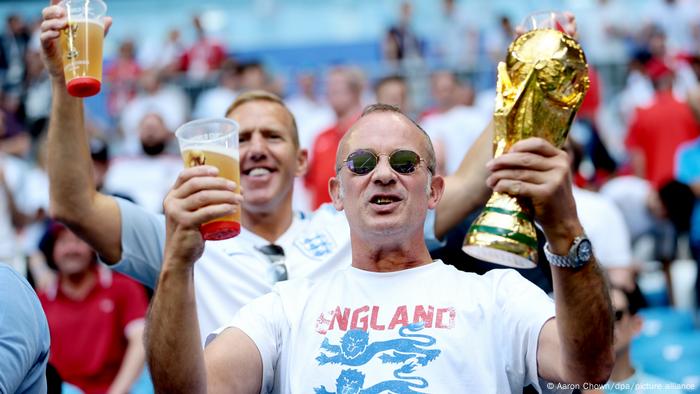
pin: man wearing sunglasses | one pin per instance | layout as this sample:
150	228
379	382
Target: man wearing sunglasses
275	243
396	321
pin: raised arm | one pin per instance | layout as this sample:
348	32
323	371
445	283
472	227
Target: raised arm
466	189
576	346
173	344
74	200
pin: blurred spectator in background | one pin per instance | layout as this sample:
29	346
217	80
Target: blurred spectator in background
654	135
604	225
147	177
14	139
13	47
401	42
24	336
443	89
168	101
204	56
254	77
312	113
164	57
96	317
638	90
122	76
455	129
36	96
457	43
344	92
393	90
606	33
677	19
625	377
685	80
498	39
213	103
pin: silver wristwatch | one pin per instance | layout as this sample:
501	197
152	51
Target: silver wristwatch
580	253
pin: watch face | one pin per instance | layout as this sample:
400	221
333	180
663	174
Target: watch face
585	251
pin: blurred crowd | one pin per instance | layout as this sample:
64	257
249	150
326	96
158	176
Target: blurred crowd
636	140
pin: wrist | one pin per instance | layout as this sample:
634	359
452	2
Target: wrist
561	237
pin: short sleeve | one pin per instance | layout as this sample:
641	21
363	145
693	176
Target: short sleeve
524	309
132	303
24	336
263	320
143	242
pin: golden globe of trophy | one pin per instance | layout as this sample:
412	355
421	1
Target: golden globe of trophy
540	87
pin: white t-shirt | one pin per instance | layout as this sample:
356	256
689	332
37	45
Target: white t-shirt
232	272
427	329
457	130
605	227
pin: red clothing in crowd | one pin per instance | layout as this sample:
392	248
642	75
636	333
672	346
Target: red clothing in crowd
204	56
89	336
123	77
657	130
322	165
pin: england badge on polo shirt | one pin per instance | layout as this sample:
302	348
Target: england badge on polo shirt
316	244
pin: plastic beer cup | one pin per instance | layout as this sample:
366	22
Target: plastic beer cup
81	45
213	142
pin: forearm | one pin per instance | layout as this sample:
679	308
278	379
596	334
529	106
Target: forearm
466	189
584	322
69	163
132	364
173	345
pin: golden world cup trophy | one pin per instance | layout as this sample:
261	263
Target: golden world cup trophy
540	87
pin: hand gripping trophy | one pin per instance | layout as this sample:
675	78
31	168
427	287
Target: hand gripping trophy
540	87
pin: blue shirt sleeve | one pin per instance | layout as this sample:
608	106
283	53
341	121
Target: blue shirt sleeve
24	336
429	232
143	242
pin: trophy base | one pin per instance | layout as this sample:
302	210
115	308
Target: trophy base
497	256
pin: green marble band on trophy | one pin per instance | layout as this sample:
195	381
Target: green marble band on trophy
540	87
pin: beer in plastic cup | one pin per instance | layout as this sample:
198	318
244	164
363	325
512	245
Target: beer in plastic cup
81	45
214	142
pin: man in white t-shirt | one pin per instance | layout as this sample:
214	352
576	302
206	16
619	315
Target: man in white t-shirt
394	321
232	272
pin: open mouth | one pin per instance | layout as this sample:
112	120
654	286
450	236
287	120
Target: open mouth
384	200
257	171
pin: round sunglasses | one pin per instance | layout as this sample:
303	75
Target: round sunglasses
364	161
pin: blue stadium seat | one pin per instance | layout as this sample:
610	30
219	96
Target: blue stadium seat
674	356
661	320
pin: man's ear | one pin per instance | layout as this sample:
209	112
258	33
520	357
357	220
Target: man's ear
437	188
334	189
302	162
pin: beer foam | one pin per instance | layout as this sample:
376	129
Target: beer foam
230	152
91	21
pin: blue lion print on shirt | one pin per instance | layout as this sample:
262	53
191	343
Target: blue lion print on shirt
355	348
351	381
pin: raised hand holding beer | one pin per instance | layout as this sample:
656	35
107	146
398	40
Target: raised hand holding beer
55	35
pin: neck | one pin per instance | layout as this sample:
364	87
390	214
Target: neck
388	257
269	225
79	284
623	367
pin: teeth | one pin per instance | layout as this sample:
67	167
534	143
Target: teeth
383	200
258	172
